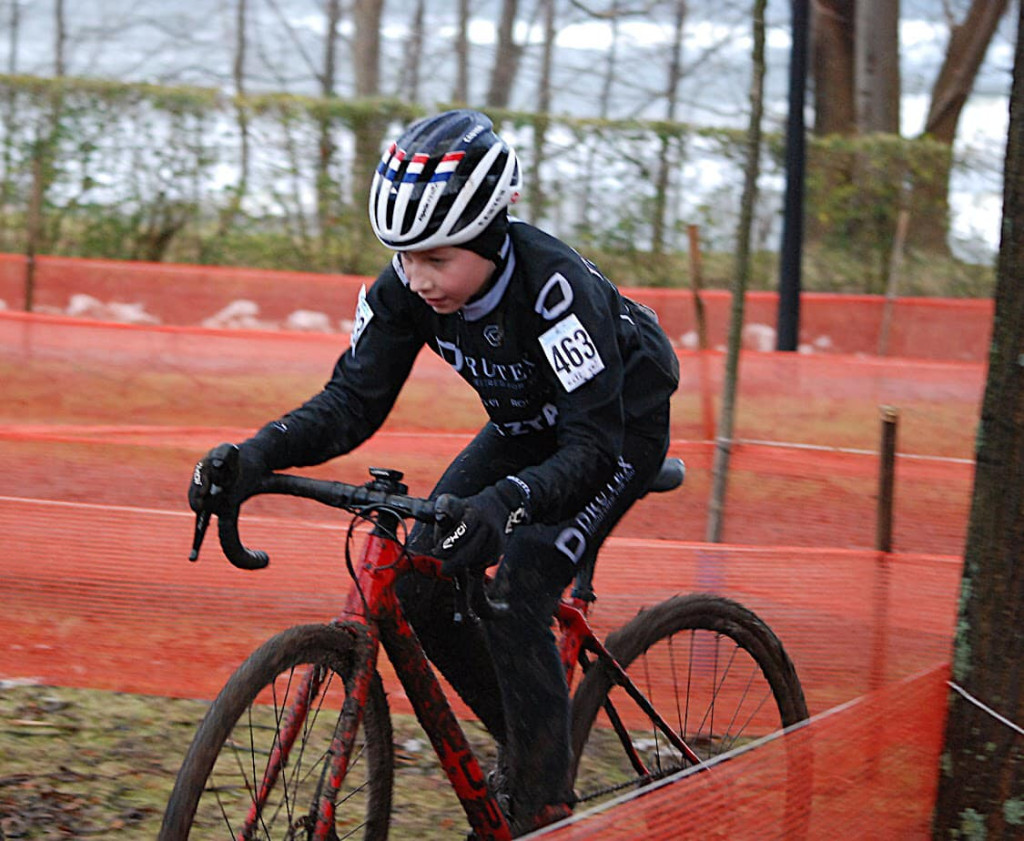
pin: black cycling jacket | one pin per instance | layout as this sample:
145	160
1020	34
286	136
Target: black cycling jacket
552	349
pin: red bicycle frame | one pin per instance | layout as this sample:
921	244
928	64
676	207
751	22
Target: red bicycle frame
373	615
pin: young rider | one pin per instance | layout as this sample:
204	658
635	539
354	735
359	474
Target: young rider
575	379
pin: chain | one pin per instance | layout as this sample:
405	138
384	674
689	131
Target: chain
636	782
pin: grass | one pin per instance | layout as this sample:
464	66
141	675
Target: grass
81	763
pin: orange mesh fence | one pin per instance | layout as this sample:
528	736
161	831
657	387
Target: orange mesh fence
85	395
102	595
160	293
867	770
101	423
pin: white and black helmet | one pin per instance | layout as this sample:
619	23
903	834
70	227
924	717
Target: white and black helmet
442	182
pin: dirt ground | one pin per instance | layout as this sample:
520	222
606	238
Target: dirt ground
88	764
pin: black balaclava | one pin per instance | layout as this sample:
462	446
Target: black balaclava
488	243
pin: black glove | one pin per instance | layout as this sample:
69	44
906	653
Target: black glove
225	477
471	532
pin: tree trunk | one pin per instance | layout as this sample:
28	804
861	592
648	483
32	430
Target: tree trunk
605	107
877	66
410	80
370	128
665	159
832	67
461	93
538	199
506	58
59	60
741	277
44	153
326	191
10	111
981	785
968	43
230	213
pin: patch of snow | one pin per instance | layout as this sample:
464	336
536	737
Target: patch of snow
86	306
308	321
759	337
239	315
10	683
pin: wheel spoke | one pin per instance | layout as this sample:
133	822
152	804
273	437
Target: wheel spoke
727	682
241	762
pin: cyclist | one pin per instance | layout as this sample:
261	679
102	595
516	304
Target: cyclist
575	379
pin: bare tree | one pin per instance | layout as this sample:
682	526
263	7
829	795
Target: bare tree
411	67
10	104
44	155
968	43
604	102
461	92
506	57
832	60
877	66
61	41
666	162
537	196
326	146
366	67
741	275
238	69
856	87
981	784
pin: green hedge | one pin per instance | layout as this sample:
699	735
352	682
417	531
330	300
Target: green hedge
133	171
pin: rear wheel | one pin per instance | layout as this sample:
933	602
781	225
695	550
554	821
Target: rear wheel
716	673
230	759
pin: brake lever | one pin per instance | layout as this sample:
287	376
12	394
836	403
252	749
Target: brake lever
228	460
471	600
463	610
202	521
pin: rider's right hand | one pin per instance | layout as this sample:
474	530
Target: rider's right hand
225	477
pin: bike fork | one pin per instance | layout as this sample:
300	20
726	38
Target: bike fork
358	690
357	686
288	728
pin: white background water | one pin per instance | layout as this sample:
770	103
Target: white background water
180	41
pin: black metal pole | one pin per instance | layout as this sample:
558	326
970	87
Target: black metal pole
788	326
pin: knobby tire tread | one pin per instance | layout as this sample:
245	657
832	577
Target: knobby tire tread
680	613
330	645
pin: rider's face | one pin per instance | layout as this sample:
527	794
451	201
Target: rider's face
446	278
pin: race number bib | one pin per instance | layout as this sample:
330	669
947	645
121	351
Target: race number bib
572	354
363	315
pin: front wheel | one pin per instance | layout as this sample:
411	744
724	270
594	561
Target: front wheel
710	667
259	765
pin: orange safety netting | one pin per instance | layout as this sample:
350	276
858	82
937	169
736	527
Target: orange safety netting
101	423
160	293
90	394
860	772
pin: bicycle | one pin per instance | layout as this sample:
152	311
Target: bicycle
298	744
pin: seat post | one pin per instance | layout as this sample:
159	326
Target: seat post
583	588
